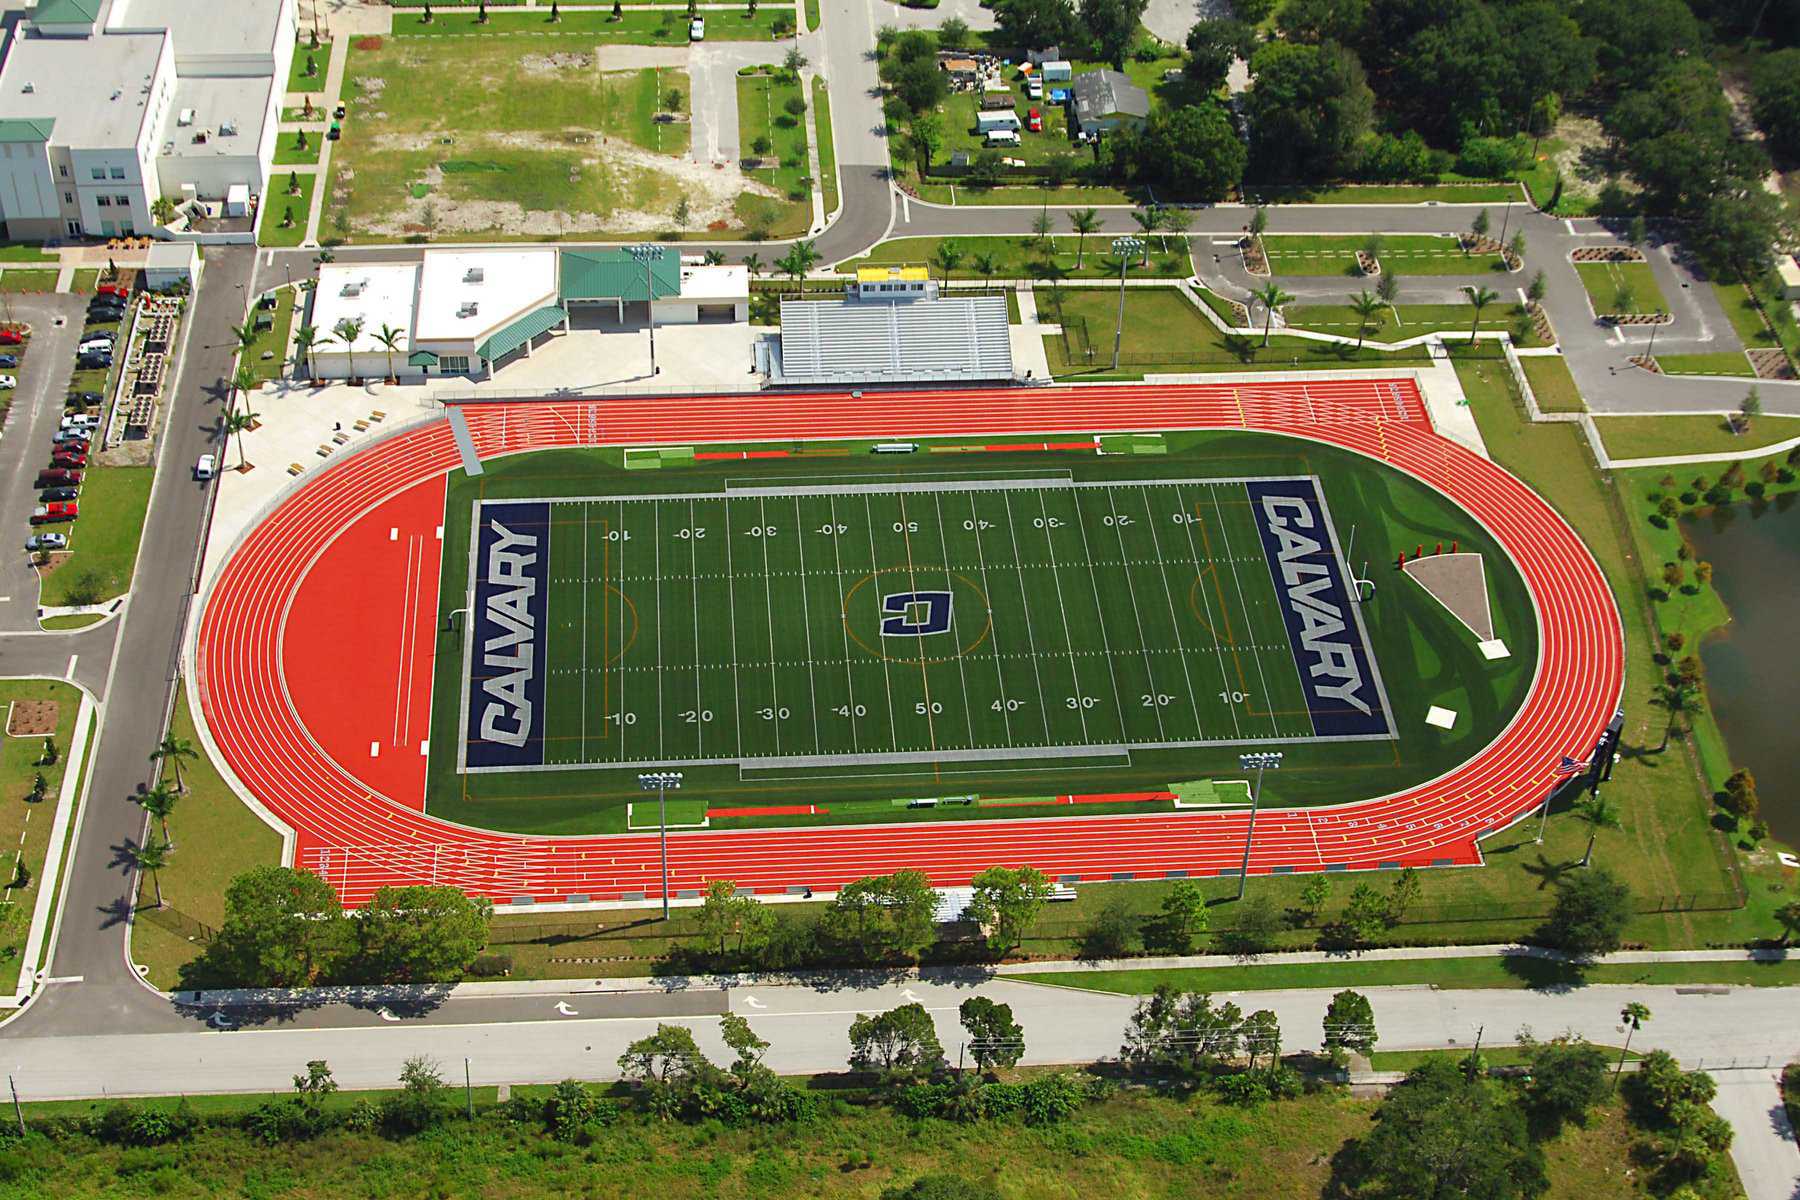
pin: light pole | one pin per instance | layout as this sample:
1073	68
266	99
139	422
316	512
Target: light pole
1124	247
1261	760
647	253
660	782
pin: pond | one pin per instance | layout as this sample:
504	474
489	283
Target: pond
1753	664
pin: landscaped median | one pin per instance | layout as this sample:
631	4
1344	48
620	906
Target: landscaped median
1401	254
103	544
1658	437
1065	256
284	212
1618	289
34	710
772	150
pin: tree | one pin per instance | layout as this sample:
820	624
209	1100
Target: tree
1775	99
666	1064
1750	409
800	258
1538	288
942	1187
726	917
293	185
346	332
151	856
389	336
1568	1077
159	802
1677	696
170	751
419	934
1262	1035
1788	916
1478	230
1739	797
282	928
1113	25
1365	916
924	136
948	257
1368	313
1703	573
1083	221
742	1041
753	263
1259	221
1308	110
1440	1133
163	210
1183	915
1006	902
317	1083
1632	1016
1034	24
305	338
1315	895
1041	225
236	422
794	62
953	33
1172	1032
1271	297
883	917
1212	46
1350	1022
1479	298
995	1039
1149	220
1406	890
1388	287
1192	148
1591	911
918	82
1597	811
900	1044
245	335
986	264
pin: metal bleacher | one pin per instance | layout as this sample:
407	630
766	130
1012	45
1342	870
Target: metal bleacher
912	341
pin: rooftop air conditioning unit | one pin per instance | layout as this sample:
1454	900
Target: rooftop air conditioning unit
474	275
185	117
227	128
469	308
29	88
354	287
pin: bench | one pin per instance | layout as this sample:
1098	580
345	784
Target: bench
324	451
361	426
377	415
340	438
295	468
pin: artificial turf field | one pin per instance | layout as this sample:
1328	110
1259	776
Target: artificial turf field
1109	623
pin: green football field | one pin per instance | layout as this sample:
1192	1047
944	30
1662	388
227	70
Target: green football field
769	626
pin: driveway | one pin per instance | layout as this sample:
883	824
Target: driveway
37	407
712	74
1767	1160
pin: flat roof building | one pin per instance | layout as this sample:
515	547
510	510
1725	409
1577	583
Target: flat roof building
376	294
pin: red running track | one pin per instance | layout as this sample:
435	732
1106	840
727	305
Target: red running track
361	826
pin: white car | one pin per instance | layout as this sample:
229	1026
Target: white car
206	467
80	421
47	541
8	383
697	29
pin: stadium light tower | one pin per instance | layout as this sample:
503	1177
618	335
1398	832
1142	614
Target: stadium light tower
661	782
1124	247
1259	761
647	253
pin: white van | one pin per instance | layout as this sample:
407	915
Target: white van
1003	137
997	118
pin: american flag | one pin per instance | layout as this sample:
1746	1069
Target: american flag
1569	765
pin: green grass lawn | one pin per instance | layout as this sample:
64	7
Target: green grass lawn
1028	258
74	621
812	14
1411	320
297	114
15	280
1020	195
25	826
289	152
1552	384
669	27
1724	362
822	122
1402	254
511	139
84	281
273	340
1164	333
1748	321
25	252
103	541
216	837
776	137
1494	1056
1616	288
1652	437
1384	193
298	79
278	205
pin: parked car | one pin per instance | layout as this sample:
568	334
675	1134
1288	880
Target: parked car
58	477
206	468
1034	121
80	420
697	29
47	541
10	337
8	383
113	289
61	493
67	438
69	462
9	360
105	316
107	304
83	399
50	514
93	362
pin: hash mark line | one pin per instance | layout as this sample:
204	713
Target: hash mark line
1174	619
604	650
737	701
999	673
694	594
887	678
762	517
1268	699
806	624
1211	623
584	627
1130	590
1099	617
662	723
912	583
837	557
961	667
1074	673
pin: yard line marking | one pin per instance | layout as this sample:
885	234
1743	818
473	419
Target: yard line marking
1131	590
806	624
886	677
1218	645
1244	607
584	627
961	667
1174	618
762	516
662	724
1074	673
605	651
694	594
999	674
737	707
912	583
1100	614
837	556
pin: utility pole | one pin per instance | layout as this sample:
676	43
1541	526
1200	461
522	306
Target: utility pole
660	782
1475	1054
1124	247
647	253
18	1111
1259	761
468	1091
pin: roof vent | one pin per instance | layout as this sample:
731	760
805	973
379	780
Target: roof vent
469	308
117	93
30	88
227	128
354	287
474	275
185	117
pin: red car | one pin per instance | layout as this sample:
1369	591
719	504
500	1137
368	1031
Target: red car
113	289
1034	121
58	477
62	510
10	338
70	462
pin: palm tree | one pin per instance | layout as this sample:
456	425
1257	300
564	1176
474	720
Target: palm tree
948	257
170	751
151	857
1271	297
1480	297
304	339
1149	220
163	210
347	331
244	380
1632	1016
236	422
1176	221
245	335
389	337
1083	221
1676	695
1789	916
1368	308
753	263
159	802
986	265
1597	811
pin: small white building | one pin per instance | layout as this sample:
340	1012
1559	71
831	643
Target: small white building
708	293
477	307
1787	266
367	296
171	264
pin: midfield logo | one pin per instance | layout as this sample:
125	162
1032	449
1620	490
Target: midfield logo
1310	587
510	561
915	614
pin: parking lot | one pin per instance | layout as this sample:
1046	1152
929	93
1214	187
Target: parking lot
43	373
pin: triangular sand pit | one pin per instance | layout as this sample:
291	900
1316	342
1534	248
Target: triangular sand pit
1459	583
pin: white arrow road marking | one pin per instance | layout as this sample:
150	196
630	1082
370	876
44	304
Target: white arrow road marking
385	1015
563	1008
753	1002
907	994
220	1021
